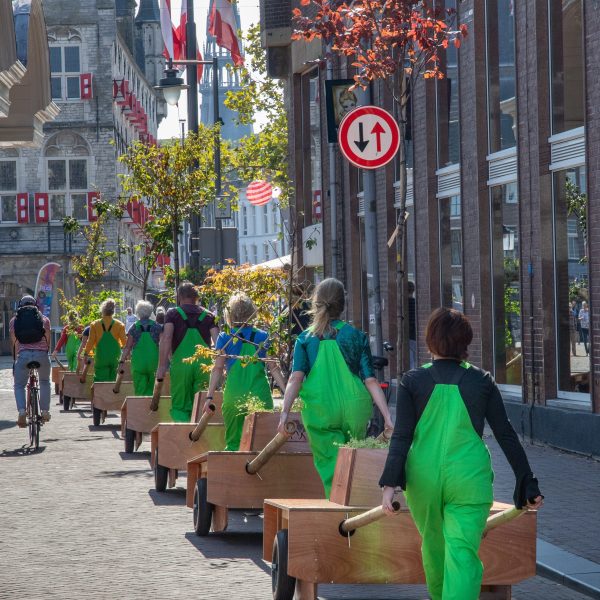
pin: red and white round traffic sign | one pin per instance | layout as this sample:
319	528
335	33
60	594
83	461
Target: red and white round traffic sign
369	137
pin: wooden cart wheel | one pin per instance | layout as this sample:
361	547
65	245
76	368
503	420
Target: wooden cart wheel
161	475
97	416
203	509
282	584
66	400
129	441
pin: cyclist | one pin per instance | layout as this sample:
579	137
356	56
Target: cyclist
30	337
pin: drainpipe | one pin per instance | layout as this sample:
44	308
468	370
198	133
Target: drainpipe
332	188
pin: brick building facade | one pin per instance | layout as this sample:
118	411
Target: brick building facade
503	196
104	60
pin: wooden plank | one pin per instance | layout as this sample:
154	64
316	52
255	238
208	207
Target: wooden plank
175	447
261	427
290	475
356	477
200	400
104	398
388	551
141	418
73	388
270	528
220	519
193	474
305	590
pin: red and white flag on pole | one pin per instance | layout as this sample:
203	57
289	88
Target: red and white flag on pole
169	33
223	26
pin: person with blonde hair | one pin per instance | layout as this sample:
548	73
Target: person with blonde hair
142	344
333	376
244	380
107	337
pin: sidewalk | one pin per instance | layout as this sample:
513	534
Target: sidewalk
82	521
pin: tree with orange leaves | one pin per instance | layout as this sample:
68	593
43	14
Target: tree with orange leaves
397	42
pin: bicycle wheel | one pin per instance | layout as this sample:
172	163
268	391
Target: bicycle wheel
34	418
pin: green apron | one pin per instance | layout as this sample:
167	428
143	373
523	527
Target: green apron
187	378
243	382
71	349
108	351
449	492
336	407
144	361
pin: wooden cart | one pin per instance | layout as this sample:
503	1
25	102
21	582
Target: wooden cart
56	377
171	447
219	481
72	391
305	543
105	399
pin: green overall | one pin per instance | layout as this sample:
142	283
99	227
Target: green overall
336	407
107	354
187	378
243	381
449	492
71	349
144	361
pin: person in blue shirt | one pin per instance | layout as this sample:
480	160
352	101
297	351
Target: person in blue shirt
245	378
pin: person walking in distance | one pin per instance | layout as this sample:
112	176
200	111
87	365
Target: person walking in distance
186	326
107	337
438	458
584	321
70	338
130	319
30	338
333	376
142	345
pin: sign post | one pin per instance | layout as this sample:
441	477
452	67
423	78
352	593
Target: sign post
369	138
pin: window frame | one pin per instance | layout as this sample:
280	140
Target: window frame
65	75
67	191
10	192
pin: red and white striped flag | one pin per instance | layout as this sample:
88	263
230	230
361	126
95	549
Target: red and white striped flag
223	26
169	33
259	192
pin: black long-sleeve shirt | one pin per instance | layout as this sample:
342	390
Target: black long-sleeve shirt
483	402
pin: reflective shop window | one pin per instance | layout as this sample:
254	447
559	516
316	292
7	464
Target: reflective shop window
572	282
506	284
451	270
502	107
567	64
448	134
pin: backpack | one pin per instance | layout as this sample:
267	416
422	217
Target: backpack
29	325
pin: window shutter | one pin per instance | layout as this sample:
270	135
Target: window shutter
41	207
91	208
85	85
23	208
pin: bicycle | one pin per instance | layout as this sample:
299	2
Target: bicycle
34	417
376	424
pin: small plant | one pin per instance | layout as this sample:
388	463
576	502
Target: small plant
252	404
368	443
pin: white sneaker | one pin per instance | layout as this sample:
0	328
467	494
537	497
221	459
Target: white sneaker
46	415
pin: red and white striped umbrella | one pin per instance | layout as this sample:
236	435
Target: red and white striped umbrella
259	192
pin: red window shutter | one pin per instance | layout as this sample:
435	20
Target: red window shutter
41	208
23	208
91	208
124	93
85	85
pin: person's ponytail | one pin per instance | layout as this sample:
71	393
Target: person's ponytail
327	303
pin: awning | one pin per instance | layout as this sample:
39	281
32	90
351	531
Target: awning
280	262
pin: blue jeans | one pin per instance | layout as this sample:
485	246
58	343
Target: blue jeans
21	375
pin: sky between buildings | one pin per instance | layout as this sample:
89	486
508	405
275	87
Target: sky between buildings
249	14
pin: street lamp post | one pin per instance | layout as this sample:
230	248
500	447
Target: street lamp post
172	85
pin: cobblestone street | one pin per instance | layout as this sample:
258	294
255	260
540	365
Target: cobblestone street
80	520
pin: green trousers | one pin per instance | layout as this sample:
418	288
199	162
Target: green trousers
449	492
144	362
107	355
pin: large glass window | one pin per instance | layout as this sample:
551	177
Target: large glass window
567	64
506	284
8	191
451	259
572	281
501	74
65	68
448	145
67	184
